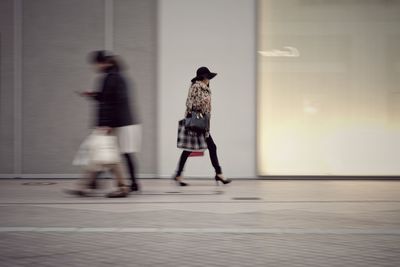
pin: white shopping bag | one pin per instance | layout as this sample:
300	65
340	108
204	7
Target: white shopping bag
97	150
82	156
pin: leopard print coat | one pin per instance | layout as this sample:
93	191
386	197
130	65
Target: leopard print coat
199	98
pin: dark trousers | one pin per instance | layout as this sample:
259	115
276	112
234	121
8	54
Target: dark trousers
212	149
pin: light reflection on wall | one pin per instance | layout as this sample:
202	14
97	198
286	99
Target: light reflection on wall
329	87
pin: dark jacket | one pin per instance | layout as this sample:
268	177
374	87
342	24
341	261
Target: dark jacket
113	108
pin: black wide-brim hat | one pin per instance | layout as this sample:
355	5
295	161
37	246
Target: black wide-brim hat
203	73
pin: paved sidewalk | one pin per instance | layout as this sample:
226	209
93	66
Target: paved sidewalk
247	223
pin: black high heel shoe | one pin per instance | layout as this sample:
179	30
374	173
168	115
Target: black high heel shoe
224	181
179	182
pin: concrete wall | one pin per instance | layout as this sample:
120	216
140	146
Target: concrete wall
56	36
135	37
162	43
6	86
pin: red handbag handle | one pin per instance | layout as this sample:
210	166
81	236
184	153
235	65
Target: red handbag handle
196	154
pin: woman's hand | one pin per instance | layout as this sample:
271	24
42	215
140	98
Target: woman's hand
86	93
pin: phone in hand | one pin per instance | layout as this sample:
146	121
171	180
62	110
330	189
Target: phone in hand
85	93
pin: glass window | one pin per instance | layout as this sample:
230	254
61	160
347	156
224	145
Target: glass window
329	87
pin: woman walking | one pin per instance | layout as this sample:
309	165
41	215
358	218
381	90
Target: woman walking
114	110
114	115
199	100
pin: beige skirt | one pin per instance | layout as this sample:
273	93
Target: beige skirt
129	138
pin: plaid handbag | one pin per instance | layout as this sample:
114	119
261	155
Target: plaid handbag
189	140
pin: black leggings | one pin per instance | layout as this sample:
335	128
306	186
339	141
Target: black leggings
130	162
212	149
